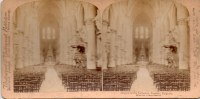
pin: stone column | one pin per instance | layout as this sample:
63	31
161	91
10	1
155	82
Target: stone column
25	51
19	50
123	44
36	42
30	47
113	31
172	18
184	37
113	49
118	49
89	15
184	44
63	42
129	42
105	50
156	42
162	43
26	44
120	42
20	37
80	17
37	34
165	41
61	36
167	29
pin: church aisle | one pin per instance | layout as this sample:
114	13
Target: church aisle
144	82
52	82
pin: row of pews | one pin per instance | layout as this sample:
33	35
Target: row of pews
76	79
114	79
172	81
120	81
120	78
166	79
28	79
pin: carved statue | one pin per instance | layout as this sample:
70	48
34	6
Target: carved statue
172	46
50	57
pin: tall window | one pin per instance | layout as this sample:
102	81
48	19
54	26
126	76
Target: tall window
53	34
43	33
48	33
141	32
146	33
136	33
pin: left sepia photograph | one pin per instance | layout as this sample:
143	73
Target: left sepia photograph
52	39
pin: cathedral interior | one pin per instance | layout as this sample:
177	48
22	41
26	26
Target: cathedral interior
70	45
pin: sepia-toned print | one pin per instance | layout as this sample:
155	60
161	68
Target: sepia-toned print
54	47
149	41
61	47
90	47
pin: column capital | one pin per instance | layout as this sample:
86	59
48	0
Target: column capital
111	30
105	22
89	21
183	21
18	31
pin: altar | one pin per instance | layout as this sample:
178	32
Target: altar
49	59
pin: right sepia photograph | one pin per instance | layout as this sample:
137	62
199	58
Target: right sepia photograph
144	46
74	46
